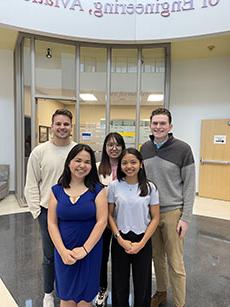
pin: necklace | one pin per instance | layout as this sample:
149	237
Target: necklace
132	187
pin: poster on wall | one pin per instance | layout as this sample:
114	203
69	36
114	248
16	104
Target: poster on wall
86	136
43	134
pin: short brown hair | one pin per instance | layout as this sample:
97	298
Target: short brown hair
161	111
64	112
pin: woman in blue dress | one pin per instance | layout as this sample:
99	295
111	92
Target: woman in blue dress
77	217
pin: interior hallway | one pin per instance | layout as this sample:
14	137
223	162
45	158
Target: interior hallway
207	248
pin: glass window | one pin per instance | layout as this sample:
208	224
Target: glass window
88	64
92	96
123	94
54	69
152	87
55	87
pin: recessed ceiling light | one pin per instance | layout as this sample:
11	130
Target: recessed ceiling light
88	97
155	97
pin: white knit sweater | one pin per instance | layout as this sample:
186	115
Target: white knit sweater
45	166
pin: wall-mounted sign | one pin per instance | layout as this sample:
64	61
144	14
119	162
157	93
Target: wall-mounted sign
117	20
86	135
219	139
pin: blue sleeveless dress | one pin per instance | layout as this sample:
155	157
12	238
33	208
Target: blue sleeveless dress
79	281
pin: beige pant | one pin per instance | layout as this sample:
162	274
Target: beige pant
168	251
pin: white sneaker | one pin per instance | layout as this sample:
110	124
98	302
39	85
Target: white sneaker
48	300
101	298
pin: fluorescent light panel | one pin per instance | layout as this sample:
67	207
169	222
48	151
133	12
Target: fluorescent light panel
88	97
155	97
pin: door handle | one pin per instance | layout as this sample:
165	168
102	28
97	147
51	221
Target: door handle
203	161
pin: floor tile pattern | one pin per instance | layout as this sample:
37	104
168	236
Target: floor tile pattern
207	249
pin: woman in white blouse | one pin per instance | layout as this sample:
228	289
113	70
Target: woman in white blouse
133	218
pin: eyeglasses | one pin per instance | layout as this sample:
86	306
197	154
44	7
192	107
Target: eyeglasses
111	145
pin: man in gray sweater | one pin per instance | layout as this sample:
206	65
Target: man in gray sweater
169	163
45	165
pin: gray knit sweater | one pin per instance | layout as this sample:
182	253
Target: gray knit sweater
172	169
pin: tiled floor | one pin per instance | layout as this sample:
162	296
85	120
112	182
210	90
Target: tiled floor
202	206
207	250
9	205
212	208
6	297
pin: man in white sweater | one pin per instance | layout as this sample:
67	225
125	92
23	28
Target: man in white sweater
45	165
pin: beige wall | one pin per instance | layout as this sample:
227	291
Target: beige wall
45	110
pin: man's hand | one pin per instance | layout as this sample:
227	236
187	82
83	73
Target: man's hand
182	228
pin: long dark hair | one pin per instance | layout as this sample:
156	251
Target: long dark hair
91	179
105	166
143	182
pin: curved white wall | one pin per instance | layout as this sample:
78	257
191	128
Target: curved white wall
117	20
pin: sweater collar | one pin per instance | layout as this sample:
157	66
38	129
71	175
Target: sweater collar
169	140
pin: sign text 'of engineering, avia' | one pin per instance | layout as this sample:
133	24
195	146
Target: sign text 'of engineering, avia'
99	9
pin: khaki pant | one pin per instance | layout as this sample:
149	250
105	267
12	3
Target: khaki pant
168	251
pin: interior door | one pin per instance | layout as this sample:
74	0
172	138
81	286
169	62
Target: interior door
214	175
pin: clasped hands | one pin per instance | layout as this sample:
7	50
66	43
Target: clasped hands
69	257
131	247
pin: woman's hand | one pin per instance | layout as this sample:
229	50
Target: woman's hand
79	253
135	247
67	257
126	244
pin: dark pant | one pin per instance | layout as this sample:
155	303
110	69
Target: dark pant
48	252
141	270
107	234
